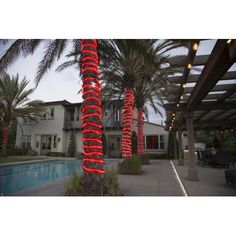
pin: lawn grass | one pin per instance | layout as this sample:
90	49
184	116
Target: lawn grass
5	160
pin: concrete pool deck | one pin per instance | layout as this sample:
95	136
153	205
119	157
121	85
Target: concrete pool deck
158	179
211	181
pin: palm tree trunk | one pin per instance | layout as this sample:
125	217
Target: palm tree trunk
5	136
140	125
93	163
127	121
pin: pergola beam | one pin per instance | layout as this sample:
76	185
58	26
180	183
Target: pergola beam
217	65
204	106
194	77
181	60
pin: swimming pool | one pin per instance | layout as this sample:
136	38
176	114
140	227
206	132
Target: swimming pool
17	177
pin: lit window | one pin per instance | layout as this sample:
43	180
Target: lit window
152	142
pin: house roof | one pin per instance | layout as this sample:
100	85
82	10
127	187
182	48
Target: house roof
62	102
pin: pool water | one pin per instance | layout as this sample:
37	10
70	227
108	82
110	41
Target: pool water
18	177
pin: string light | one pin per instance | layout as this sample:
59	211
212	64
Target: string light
229	41
177	104
182	97
91	111
195	46
184	85
189	66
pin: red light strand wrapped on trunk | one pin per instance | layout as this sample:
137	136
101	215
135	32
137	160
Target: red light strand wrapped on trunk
128	112
91	111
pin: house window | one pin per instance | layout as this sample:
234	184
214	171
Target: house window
155	142
116	113
162	143
71	114
26	141
152	142
51	112
54	141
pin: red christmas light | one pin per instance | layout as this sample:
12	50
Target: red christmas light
127	123
91	112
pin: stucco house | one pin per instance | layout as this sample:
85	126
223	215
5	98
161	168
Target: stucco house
52	131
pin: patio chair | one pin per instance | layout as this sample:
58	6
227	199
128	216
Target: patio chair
207	159
224	159
230	177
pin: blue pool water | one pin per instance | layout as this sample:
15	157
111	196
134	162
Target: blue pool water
14	178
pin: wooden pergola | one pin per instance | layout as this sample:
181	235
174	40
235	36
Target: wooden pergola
206	100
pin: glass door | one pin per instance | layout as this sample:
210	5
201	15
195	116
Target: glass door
46	144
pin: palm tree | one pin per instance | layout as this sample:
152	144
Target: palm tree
15	103
135	72
85	54
121	72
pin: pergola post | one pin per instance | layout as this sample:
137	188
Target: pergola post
175	145
181	160
192	169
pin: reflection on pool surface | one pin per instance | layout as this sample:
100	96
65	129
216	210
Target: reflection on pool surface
17	177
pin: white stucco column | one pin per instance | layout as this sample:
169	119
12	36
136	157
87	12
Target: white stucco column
180	161
192	169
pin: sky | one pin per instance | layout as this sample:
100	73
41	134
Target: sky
56	86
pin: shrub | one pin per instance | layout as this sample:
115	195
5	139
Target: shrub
18	151
130	166
56	154
82	185
216	144
73	185
144	158
230	145
112	187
